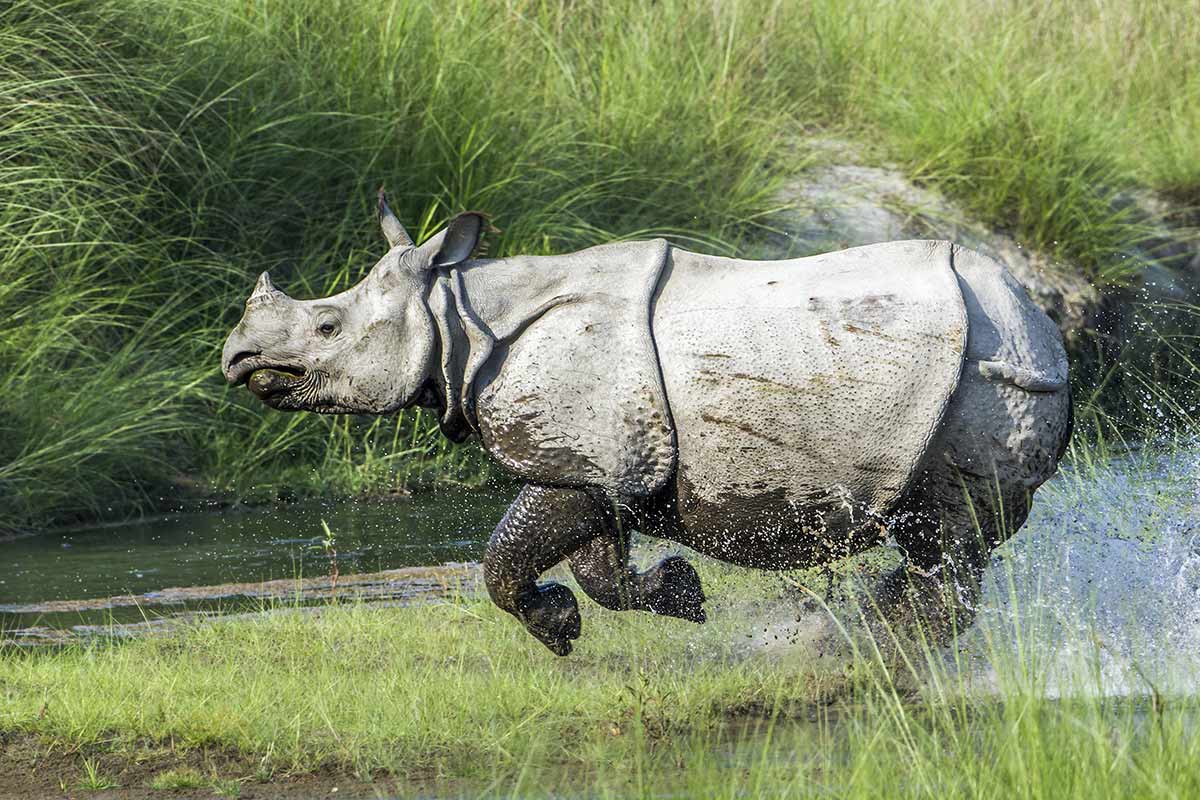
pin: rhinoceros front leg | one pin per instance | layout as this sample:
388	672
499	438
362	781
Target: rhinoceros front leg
541	528
671	588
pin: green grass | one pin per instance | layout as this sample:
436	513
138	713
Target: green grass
184	779
178	779
457	698
93	779
189	778
157	155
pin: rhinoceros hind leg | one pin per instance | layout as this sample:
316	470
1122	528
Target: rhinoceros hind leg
670	588
541	528
947	530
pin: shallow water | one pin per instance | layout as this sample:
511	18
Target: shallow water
239	546
1099	592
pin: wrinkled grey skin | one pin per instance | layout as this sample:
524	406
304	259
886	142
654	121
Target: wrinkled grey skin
770	414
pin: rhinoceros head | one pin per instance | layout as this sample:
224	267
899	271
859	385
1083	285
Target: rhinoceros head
367	350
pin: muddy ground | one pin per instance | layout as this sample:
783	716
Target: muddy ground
31	769
165	609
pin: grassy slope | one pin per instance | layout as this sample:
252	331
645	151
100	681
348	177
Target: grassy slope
157	155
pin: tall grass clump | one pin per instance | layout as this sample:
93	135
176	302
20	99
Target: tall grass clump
160	154
157	155
1039	118
98	288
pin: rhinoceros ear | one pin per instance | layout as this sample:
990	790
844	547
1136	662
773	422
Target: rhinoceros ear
454	244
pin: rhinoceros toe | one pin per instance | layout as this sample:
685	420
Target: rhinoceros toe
673	589
551	614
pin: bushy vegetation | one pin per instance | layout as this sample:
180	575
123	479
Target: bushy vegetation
155	156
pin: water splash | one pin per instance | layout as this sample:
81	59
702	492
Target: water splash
1100	591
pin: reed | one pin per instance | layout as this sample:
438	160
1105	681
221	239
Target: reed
157	155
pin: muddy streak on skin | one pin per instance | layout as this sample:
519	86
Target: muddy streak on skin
743	427
520	447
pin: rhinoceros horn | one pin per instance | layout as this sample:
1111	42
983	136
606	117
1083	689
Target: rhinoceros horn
393	231
264	291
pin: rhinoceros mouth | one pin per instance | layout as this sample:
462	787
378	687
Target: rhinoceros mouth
271	384
243	366
286	387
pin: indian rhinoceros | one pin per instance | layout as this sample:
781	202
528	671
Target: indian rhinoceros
772	414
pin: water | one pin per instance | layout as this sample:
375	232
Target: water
1099	592
240	546
1101	589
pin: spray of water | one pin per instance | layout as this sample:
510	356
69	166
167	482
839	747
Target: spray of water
1099	593
1101	590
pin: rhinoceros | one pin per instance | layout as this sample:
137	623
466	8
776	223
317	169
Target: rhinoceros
771	414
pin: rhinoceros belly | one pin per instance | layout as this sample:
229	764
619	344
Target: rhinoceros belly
804	393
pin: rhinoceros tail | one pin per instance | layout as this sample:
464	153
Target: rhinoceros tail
1027	379
1011	340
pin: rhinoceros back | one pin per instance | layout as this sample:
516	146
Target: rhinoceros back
819	382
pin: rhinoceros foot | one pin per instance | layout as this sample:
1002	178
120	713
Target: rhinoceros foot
551	614
673	589
932	605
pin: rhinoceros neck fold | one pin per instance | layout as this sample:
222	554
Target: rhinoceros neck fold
470	322
476	307
480	343
501	297
457	421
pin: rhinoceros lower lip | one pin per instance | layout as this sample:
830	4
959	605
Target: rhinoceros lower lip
271	382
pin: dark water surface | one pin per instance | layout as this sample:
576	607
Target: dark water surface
246	545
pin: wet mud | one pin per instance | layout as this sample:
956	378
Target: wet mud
29	770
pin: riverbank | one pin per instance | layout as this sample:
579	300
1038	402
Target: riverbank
455	699
63	621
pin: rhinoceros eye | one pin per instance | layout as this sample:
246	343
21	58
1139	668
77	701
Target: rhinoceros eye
327	328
